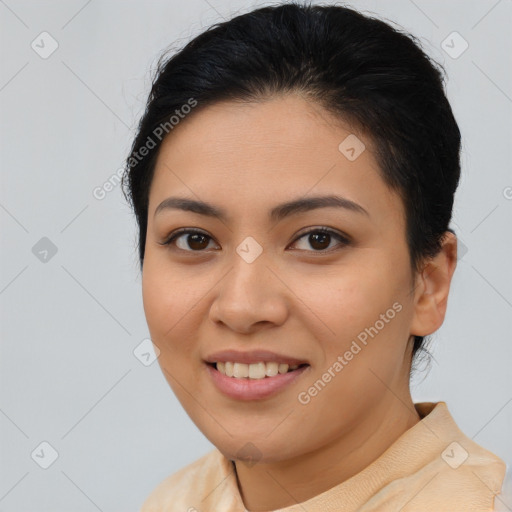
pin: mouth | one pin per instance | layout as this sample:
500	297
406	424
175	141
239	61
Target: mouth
254	371
253	381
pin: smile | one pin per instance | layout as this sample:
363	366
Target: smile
259	370
254	381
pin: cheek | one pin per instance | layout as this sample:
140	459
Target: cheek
157	298
169	306
366	314
171	311
345	300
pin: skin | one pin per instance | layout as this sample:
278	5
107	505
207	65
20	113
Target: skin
294	299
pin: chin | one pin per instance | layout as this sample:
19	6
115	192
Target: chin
251	450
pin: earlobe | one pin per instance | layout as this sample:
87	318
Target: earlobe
433	287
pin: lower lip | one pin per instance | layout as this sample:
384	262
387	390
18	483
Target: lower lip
253	389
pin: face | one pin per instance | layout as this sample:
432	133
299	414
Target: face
325	286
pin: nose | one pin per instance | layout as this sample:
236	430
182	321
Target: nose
250	297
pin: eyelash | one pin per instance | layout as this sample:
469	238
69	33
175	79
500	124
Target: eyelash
324	230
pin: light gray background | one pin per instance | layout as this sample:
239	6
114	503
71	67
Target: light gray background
70	325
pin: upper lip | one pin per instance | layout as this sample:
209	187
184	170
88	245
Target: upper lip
252	356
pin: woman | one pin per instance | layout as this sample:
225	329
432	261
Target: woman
293	180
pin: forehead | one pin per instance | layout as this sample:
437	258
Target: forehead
253	155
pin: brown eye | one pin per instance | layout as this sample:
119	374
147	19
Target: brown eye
189	240
320	240
197	241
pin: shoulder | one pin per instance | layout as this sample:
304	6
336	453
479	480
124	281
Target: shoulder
503	501
188	486
443	469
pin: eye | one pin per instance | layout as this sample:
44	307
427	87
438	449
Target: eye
190	240
320	239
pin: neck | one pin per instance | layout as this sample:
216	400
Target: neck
281	484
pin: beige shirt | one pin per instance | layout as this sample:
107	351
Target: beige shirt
432	467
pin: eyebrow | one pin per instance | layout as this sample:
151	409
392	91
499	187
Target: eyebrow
277	213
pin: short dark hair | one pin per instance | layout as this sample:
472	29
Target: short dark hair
373	77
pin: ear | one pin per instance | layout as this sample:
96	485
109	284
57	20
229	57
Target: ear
432	288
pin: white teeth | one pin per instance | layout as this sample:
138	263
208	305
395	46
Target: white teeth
257	371
229	369
272	369
254	371
283	368
240	370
